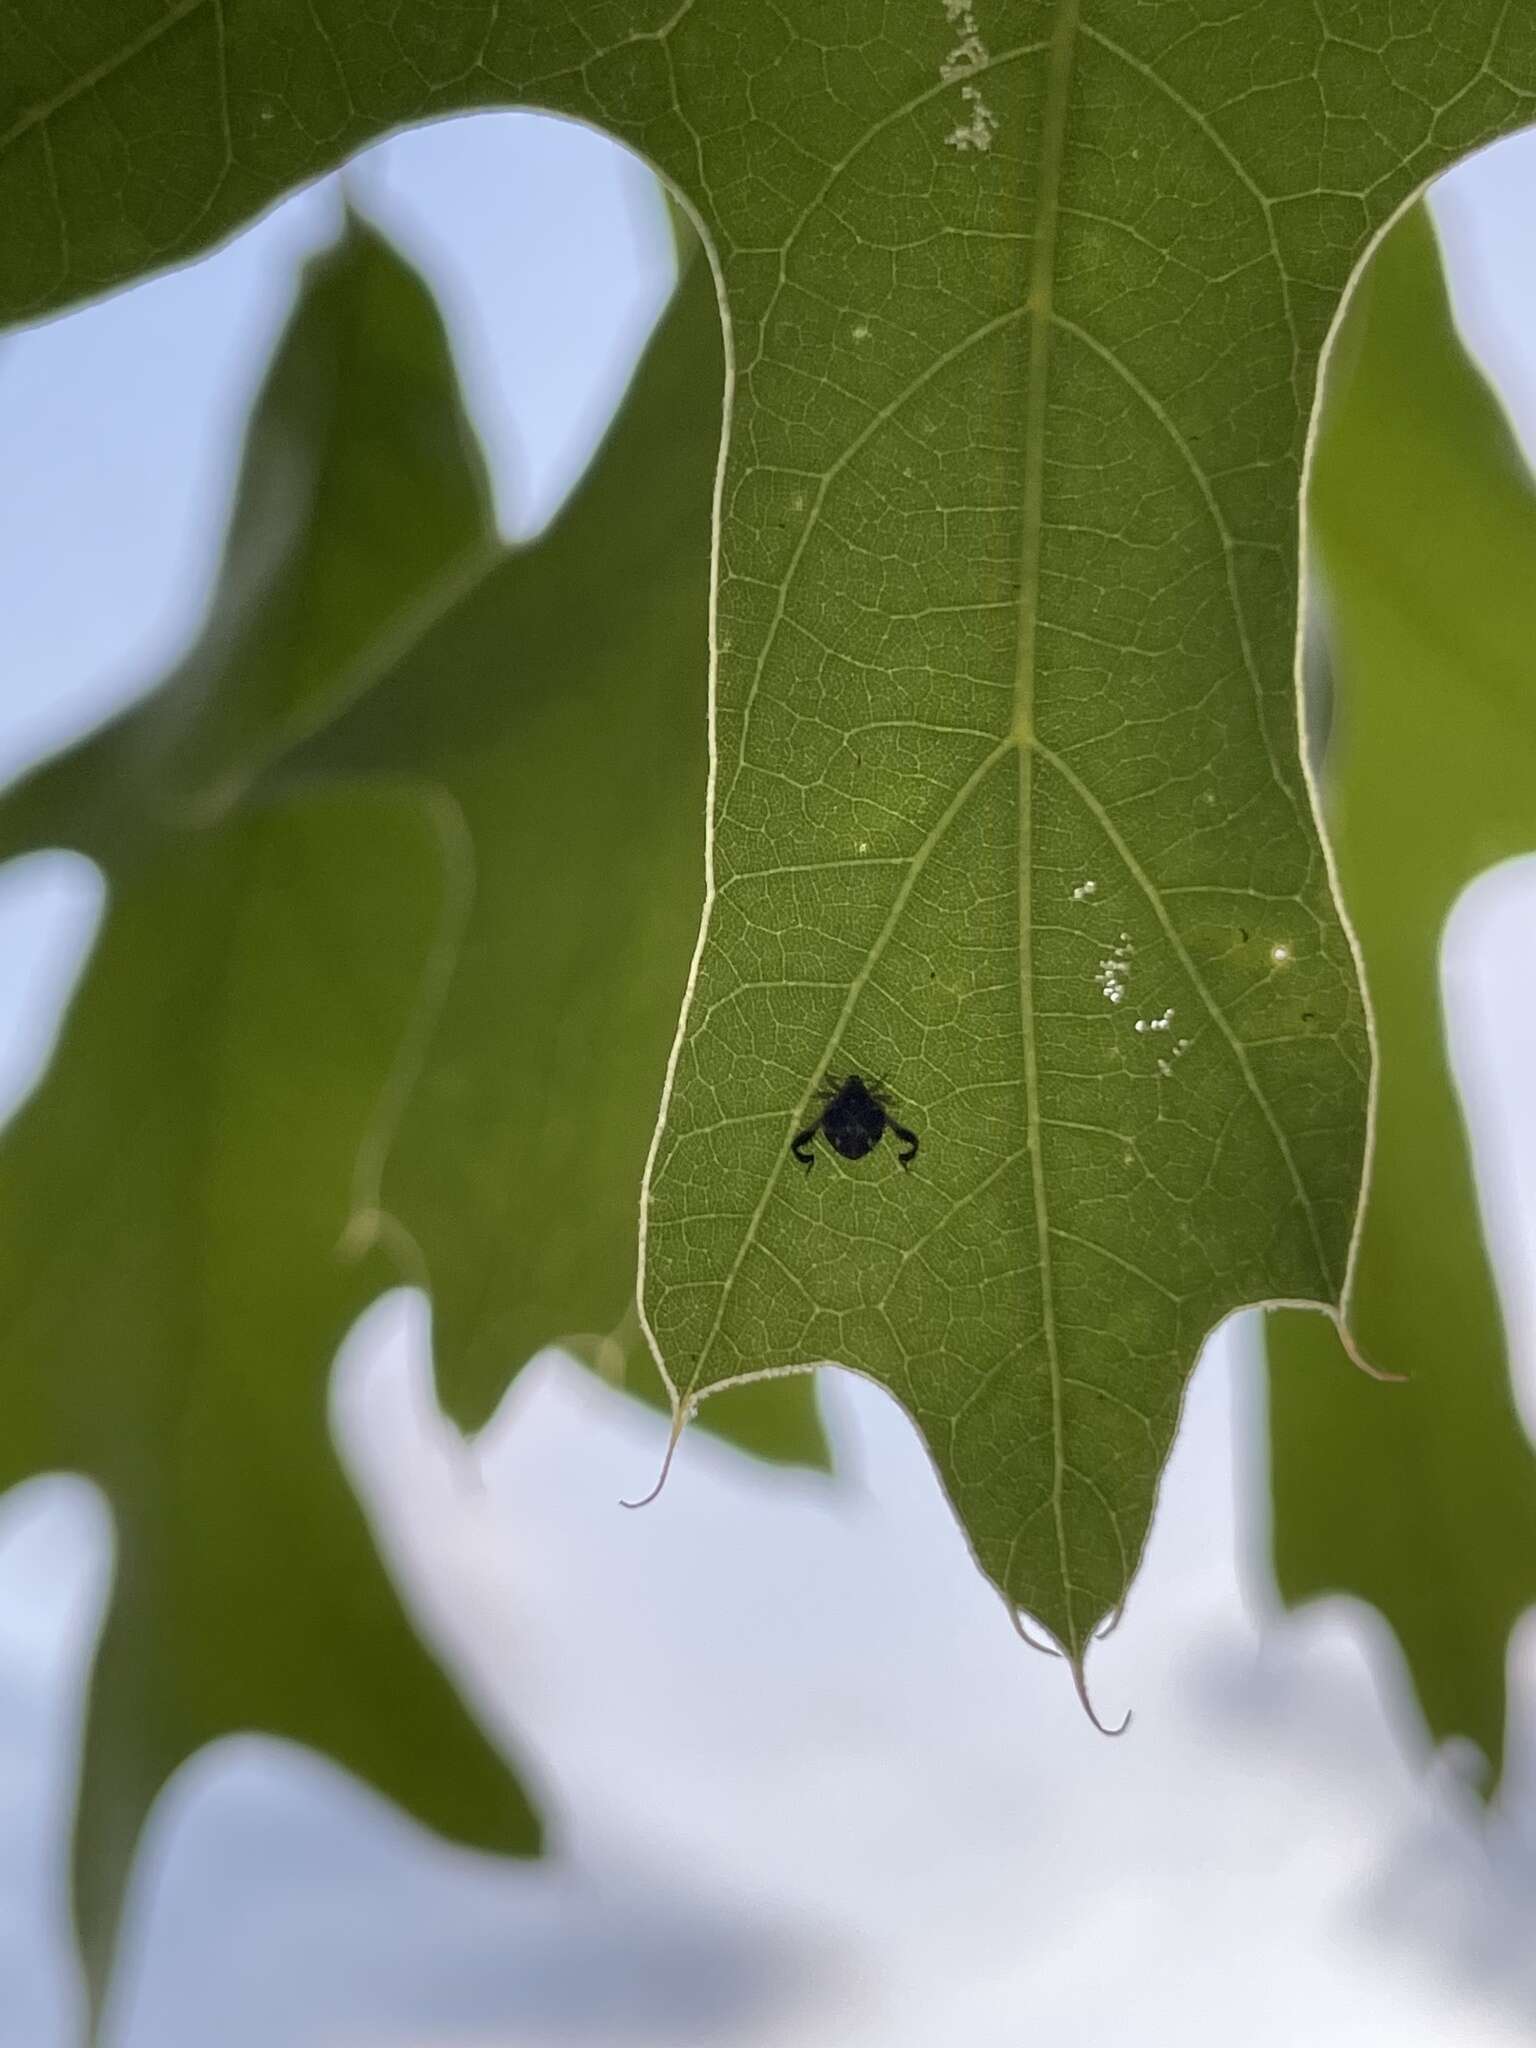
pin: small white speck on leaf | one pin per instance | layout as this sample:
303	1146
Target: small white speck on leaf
976	133
969	56
1113	972
1084	890
1281	955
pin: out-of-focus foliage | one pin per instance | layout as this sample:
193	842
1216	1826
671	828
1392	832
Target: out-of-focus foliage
173	1200
302	933
1422	1499
556	698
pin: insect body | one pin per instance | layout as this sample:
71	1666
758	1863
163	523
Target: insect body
853	1120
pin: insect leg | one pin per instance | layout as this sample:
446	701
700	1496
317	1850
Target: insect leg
908	1141
801	1147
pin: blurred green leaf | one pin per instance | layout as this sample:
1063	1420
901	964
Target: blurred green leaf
1421	1499
1026	307
557	701
322	575
173	1200
173	1274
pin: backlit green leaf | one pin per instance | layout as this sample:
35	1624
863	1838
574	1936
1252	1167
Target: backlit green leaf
1423	1502
1025	308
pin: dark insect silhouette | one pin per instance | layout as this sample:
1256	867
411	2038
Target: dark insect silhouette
853	1120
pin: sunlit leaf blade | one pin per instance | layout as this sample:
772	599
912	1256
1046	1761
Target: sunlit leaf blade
559	702
1420	1499
1010	814
1026	304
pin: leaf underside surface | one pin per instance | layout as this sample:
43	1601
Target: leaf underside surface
1026	306
1423	517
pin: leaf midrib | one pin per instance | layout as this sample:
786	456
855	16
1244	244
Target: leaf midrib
1041	294
1020	738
